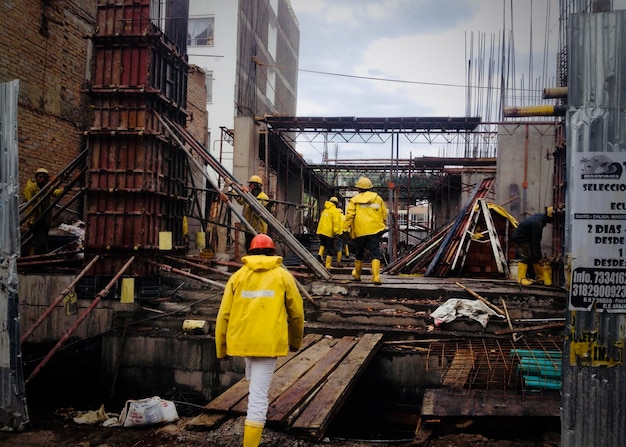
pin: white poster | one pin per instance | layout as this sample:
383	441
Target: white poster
598	233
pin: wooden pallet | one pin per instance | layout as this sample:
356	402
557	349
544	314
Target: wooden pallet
308	388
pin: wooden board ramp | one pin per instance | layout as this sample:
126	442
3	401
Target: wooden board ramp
441	403
459	371
308	388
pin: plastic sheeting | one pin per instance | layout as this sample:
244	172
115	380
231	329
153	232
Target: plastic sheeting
13	409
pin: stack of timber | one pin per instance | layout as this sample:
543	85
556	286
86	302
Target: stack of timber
308	388
476	243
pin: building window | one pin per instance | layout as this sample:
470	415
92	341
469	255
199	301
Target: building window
209	87
200	31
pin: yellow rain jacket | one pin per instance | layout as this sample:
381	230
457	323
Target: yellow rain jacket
366	215
330	221
253	218
30	190
261	314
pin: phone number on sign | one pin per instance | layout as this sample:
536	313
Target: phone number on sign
612	278
599	290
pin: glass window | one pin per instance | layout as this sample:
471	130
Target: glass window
200	31
209	87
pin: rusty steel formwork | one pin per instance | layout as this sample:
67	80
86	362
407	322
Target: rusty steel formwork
137	180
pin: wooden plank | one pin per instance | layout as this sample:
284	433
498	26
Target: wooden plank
474	403
462	365
281	407
206	421
316	417
233	395
292	371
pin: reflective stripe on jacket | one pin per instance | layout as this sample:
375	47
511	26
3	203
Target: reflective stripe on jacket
366	214
261	313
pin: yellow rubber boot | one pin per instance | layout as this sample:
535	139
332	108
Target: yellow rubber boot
339	258
252	432
329	262
538	269
356	273
543	273
320	253
346	250
522	269
376	271
547	274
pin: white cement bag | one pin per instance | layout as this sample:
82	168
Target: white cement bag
149	411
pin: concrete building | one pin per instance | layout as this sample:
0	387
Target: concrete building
241	45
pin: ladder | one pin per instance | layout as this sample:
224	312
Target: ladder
481	208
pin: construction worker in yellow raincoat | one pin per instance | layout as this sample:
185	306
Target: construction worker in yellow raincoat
261	317
328	227
255	184
38	222
366	220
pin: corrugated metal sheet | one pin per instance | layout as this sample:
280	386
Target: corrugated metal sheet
13	410
594	375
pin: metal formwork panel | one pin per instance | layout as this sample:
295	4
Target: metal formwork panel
127	18
124	221
140	65
121	66
131	111
136	188
130	163
141	17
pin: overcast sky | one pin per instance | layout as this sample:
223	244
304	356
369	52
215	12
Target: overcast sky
348	46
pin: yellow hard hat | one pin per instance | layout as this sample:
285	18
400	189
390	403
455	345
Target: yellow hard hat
364	183
333	199
255	179
42	171
550	212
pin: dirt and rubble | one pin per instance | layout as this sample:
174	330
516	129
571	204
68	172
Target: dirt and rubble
54	430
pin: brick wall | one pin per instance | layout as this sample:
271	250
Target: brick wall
44	47
198	120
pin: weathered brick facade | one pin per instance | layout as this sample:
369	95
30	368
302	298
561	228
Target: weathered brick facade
45	47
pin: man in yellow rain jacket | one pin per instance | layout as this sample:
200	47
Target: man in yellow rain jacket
261	317
328	227
255	184
366	219
38	222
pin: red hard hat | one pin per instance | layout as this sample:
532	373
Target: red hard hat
262	241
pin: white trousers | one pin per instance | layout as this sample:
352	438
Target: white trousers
259	371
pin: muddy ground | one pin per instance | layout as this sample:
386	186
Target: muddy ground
55	430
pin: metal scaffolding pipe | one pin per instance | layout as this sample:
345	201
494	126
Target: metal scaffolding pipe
197	265
555	93
58	299
251	200
169	268
80	319
516	112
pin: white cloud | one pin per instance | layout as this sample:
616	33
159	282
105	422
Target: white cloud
429	44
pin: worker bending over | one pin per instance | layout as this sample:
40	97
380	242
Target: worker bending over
528	236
